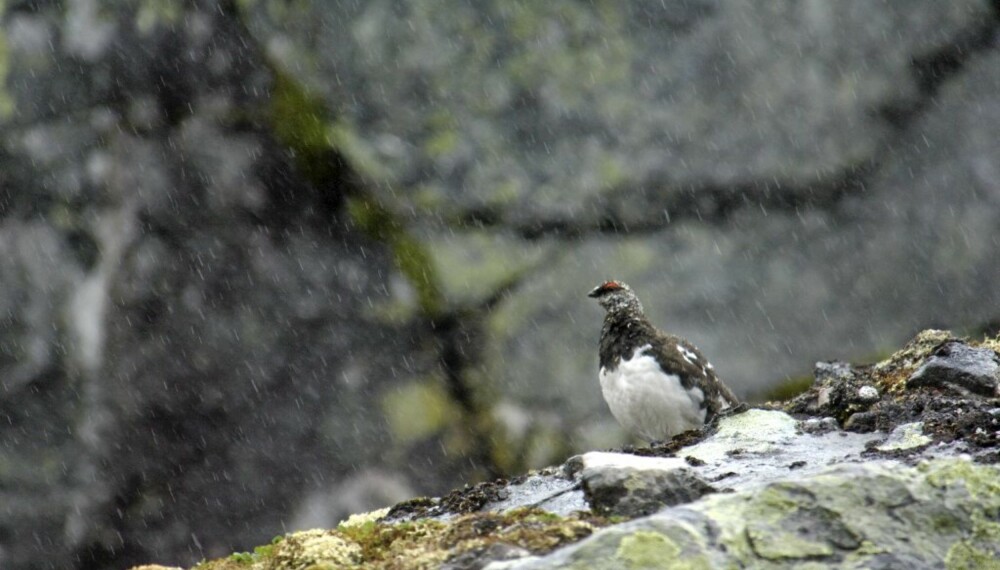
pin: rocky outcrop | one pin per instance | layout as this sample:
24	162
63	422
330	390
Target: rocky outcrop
761	488
278	257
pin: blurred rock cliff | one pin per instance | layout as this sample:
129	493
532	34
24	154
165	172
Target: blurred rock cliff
264	263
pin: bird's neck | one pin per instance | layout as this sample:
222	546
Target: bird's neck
624	317
622	333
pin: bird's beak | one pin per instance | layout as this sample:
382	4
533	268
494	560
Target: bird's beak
594	292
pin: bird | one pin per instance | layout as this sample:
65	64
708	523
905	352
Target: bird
657	385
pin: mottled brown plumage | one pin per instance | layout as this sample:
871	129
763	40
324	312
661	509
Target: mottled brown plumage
636	395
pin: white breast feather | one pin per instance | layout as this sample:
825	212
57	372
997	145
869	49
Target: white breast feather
648	402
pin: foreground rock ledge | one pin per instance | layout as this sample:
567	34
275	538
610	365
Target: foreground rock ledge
888	465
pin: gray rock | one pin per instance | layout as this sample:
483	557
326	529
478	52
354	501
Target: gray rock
631	486
187	316
876	515
868	393
40	390
480	558
818	426
585	114
958	365
906	436
833	371
183	315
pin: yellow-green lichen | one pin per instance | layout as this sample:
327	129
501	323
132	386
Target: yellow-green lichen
301	550
152	13
646	549
992	343
869	548
415	545
611	172
982	545
893	372
577	67
769	531
418	410
443	136
299	122
363	518
906	436
964	556
344	137
476	265
981	482
678	547
6	101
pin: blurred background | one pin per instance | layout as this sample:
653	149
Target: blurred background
264	263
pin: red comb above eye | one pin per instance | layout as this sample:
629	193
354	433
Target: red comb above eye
611	285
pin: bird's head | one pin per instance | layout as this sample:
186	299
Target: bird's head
616	296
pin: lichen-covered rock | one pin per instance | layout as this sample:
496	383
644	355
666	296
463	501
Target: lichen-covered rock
757	488
940	514
905	436
530	158
945	385
559	78
311	548
478	558
232	241
187	295
469	541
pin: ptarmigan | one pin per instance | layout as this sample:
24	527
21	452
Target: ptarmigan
657	385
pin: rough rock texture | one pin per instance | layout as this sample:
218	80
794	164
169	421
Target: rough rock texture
919	384
630	107
938	515
823	149
629	486
258	256
784	493
961	367
196	329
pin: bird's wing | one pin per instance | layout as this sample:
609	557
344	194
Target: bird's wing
678	356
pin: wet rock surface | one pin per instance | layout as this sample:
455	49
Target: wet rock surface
235	249
631	486
945	384
872	516
765	488
958	366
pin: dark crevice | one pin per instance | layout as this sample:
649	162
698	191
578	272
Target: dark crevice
462	339
715	204
460	343
931	71
709	204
